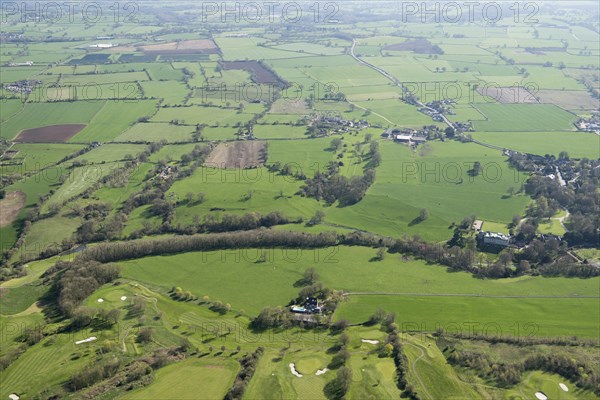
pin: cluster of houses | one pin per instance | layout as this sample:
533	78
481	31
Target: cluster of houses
20	64
442	106
324	124
166	172
436	109
310	306
23	87
460	127
591	124
436	116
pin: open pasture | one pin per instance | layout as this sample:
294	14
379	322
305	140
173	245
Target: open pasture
490	316
438	181
423	293
101	79
155	132
35	156
113	118
201	379
240	191
242	48
577	144
172	93
524	117
126	91
213	116
36	115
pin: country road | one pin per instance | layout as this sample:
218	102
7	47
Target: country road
393	79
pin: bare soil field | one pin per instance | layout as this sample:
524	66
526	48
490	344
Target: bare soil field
10	207
49	134
260	73
419	46
569	99
205	46
542	50
508	95
240	154
289	106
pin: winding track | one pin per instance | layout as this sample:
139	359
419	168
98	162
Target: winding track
414	370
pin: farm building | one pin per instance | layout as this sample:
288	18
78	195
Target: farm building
404	136
494	238
310	306
477	225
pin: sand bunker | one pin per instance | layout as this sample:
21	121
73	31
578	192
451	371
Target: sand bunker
123	298
563	387
541	396
90	339
293	369
13	396
100	300
321	371
369	341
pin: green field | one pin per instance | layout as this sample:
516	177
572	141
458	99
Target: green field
487	316
113	118
438	181
181	381
172	96
577	144
524	117
156	132
425	294
36	115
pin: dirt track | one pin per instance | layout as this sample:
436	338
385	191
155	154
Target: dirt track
10	207
240	154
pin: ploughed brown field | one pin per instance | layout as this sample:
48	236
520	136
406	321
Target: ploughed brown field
419	46
205	46
240	154
49	134
10	207
260	74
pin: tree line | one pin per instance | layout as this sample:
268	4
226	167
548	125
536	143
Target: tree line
75	281
454	257
248	367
